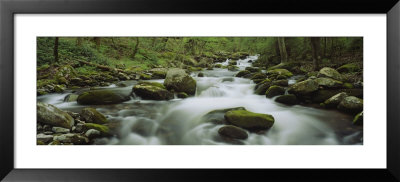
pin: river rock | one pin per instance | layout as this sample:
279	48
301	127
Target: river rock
73	138
179	81
329	73
262	87
91	115
60	130
49	114
328	82
44	138
335	100
104	130
349	68
358	119
304	87
232	62
282	83
232	68
253	69
217	116
280	72
242	73
289	99
200	75
159	73
182	95
274	91
259	76
152	91
92	133
249	120
351	104
71	98
123	76
100	97
233	132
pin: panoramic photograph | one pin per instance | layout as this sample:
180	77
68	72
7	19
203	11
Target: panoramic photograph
199	90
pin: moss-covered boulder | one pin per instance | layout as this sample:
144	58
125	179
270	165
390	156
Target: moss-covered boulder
65	73
232	68
200	75
249	120
71	98
305	87
282	83
335	100
182	95
258	76
217	65
358	119
329	73
179	81
49	114
91	115
253	69
158	73
348	85
262	87
73	138
351	104
280	72
152	91
242	73
234	132
289	99
104	130
328	82
232	62
100	97
274	91
349	68
217	116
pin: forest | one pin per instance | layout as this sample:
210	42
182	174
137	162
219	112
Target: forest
199	90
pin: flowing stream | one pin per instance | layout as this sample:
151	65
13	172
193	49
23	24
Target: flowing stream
178	121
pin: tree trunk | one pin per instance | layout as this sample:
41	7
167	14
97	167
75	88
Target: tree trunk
136	48
56	50
97	40
79	41
324	55
315	46
282	50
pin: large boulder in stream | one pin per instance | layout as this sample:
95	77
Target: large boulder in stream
49	114
289	99
335	100
253	69
351	104
328	82
152	91
242	73
249	120
234	132
262	87
329	73
274	91
100	97
217	116
305	87
91	115
179	81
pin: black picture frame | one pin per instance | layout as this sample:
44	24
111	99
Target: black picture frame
9	8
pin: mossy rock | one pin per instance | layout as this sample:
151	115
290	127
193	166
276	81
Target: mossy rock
105	131
335	100
304	87
182	95
234	132
38	142
232	68
76	139
152	91
348	85
262	87
253	69
200	75
158	73
249	120
242	73
328	83
349	68
287	66
91	115
179	81
217	116
358	119
282	83
280	72
274	91
289	99
329	73
259	76
144	76
71	98
49	114
100	97
351	104
59	88
218	66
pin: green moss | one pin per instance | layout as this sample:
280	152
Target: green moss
96	97
249	120
280	72
259	76
274	91
358	119
38	142
105	131
218	65
348	85
242	73
144	76
93	116
349	68
156	84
